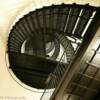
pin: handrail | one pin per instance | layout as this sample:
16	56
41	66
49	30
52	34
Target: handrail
54	78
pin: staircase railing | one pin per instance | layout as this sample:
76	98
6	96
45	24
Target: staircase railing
55	77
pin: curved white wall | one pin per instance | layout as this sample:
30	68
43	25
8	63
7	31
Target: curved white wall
10	11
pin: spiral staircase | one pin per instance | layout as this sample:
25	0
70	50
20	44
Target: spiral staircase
36	41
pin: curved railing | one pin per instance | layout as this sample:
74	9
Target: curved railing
64	27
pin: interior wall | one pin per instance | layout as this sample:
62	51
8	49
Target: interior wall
10	12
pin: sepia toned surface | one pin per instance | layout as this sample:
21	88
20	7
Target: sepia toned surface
10	12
